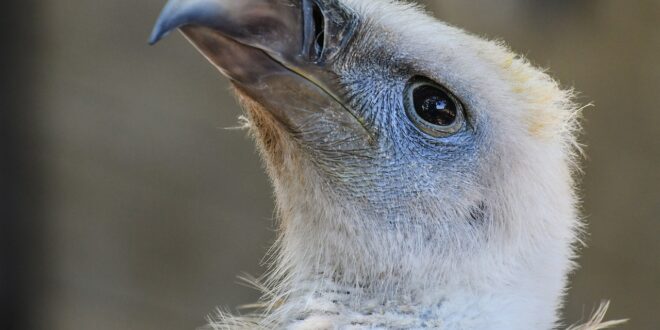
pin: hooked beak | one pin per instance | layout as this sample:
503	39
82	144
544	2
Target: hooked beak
278	52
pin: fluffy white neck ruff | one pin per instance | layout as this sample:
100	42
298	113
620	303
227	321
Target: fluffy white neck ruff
333	274
337	267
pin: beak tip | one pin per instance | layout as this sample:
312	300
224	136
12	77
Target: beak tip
178	13
166	22
156	35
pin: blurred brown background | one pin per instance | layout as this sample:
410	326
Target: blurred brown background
127	205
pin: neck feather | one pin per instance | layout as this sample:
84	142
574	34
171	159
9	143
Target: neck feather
344	268
337	264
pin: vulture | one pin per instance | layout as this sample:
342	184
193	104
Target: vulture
424	177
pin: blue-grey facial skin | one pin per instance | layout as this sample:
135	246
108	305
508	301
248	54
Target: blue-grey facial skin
403	167
344	108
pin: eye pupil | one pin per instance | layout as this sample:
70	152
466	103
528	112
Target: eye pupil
432	108
434	105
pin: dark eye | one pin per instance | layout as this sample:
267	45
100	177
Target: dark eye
432	108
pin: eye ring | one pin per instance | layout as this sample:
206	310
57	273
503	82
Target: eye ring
432	108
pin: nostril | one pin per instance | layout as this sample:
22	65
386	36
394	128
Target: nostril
314	21
328	26
319	31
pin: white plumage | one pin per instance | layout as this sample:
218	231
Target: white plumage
387	221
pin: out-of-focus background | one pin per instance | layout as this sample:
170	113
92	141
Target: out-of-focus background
127	205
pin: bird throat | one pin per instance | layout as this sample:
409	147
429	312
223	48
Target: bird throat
335	265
